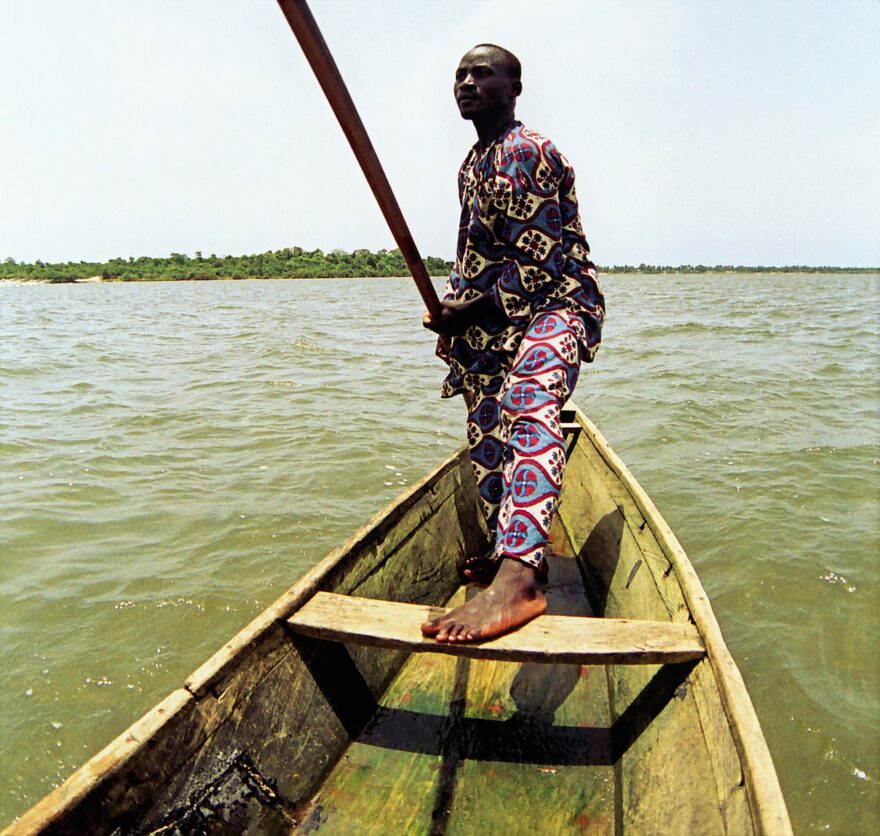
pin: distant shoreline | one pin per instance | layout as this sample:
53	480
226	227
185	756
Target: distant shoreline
297	263
16	280
686	268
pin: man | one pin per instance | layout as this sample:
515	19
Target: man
522	308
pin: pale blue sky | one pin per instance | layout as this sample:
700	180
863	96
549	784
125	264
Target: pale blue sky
701	132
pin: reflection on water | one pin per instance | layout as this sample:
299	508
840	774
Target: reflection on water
175	455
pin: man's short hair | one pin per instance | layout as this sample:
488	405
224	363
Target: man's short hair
514	68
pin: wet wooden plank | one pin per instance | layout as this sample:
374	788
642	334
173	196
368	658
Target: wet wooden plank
464	747
549	638
664	771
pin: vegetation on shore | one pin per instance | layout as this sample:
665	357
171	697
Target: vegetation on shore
289	263
297	263
730	268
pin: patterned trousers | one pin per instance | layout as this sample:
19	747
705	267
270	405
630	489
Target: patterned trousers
515	437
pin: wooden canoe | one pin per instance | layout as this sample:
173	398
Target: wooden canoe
323	715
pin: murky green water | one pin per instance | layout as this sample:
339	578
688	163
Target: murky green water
175	455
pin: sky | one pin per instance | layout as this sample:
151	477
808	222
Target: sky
701	131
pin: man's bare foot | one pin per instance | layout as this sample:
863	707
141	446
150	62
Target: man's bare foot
513	598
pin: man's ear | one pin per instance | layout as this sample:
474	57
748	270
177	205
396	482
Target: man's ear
517	88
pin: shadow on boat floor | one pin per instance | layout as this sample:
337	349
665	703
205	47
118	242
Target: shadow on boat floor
469	746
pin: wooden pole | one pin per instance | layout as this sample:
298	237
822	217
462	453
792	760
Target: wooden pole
305	28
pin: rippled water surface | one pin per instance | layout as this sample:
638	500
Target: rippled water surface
175	455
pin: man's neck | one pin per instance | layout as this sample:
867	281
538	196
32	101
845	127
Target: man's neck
489	128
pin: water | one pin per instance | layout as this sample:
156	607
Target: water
175	455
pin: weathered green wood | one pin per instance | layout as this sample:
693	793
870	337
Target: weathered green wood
463	746
672	744
640	533
724	760
766	804
665	776
454	745
333	692
605	546
109	781
724	690
737	750
726	767
234	752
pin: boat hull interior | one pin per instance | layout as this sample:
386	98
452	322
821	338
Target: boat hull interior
281	733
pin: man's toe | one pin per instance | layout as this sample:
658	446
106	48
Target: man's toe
455	632
432	627
445	630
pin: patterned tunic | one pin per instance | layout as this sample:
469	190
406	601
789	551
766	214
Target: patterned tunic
519	238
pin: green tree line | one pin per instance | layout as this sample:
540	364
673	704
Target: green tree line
731	268
289	263
297	263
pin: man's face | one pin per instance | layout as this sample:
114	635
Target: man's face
482	85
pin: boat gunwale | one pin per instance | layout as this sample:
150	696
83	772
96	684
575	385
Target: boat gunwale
223	662
208	677
766	802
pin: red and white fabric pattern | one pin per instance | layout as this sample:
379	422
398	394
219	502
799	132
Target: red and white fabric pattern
516	440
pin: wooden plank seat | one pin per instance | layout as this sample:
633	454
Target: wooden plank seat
549	638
